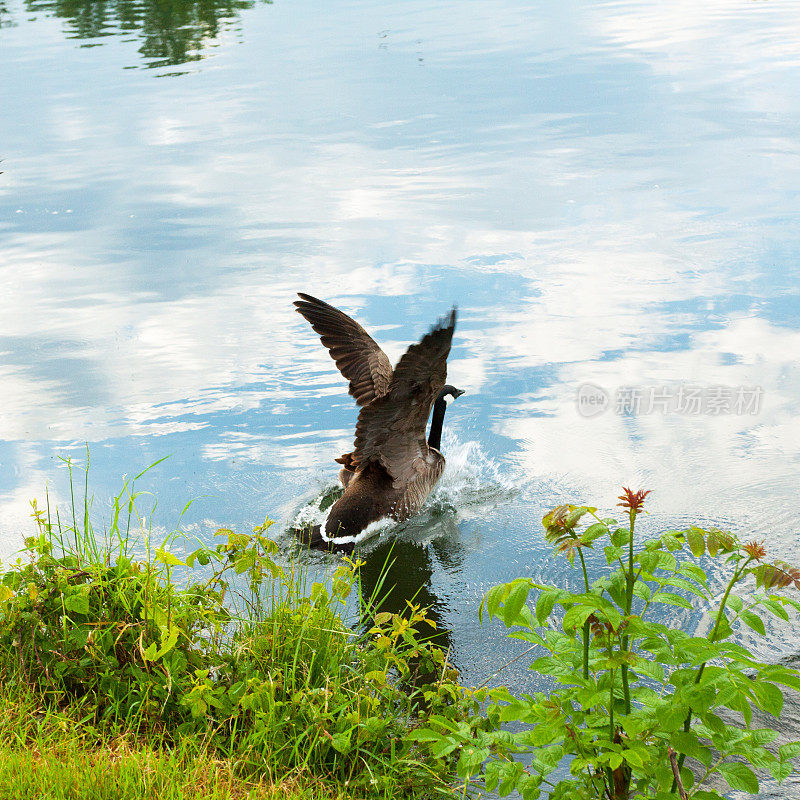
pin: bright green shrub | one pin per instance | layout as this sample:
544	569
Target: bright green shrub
230	645
634	698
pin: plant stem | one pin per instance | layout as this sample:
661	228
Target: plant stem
585	624
687	723
610	775
628	603
676	771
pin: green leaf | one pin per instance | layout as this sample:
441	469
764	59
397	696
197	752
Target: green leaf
593	532
671	717
150	652
735	602
633	758
167	644
724	629
165	557
649	560
737	700
444	746
612	553
423	735
697	541
470	760
492	599
693	571
719	541
576	616
753	621
789	751
783	675
641	589
341	742
759	757
652	669
244	562
687	586
78	601
687	742
781	770
671	599
620	537
491	776
776	608
762	736
701	696
714	723
544	604
739	777
514	603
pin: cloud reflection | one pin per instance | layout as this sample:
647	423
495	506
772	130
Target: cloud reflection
552	173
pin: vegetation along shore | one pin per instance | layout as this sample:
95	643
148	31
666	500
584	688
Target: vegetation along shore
136	666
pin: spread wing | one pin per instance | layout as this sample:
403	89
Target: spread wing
355	352
391	429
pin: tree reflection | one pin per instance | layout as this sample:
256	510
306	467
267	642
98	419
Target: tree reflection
172	32
6	20
400	570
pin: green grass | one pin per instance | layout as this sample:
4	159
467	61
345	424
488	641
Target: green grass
50	754
135	666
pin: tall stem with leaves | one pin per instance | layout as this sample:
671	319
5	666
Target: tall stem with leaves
712	637
586	625
630	577
636	733
634	502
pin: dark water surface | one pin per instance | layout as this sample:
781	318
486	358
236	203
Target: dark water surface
610	192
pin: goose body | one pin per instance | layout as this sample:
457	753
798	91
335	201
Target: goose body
392	467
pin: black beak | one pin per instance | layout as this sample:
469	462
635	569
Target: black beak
459	392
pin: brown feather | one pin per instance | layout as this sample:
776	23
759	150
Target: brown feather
356	353
391	429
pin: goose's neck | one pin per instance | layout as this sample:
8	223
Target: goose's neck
435	433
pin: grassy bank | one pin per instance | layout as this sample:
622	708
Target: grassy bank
136	665
55	754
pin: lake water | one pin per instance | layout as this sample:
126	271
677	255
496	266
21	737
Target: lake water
610	192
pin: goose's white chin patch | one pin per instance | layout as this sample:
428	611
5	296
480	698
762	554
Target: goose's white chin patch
374	527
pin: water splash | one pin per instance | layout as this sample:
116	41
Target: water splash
315	511
471	485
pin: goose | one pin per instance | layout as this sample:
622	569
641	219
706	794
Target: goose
392	467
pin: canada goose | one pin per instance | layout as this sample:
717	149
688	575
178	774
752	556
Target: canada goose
392	468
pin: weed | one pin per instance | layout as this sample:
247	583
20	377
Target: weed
635	698
229	648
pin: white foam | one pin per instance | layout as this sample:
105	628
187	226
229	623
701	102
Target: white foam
472	483
378	526
310	514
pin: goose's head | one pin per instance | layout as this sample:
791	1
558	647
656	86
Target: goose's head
449	393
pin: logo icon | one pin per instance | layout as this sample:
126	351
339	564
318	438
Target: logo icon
591	400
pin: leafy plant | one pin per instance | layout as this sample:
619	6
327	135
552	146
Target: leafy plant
633	698
230	645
